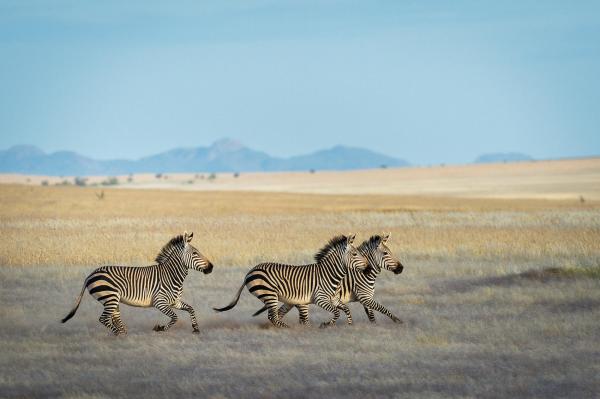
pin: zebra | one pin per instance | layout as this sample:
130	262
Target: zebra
300	285
159	285
359	286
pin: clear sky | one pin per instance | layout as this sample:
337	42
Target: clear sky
427	81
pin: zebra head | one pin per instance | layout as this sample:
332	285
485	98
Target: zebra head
193	259
353	259
379	255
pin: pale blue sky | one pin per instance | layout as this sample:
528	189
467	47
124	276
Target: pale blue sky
430	82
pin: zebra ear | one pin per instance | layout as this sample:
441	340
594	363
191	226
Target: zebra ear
385	237
188	237
351	238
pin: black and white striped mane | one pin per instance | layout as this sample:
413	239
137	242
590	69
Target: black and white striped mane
373	243
176	244
333	244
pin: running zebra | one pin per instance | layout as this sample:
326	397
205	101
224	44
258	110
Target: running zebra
359	286
158	285
300	285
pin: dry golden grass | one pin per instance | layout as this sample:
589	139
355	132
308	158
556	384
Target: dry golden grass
71	226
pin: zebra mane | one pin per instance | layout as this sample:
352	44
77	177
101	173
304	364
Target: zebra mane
331	245
372	243
176	243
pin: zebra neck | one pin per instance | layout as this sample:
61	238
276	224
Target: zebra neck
334	269
177	272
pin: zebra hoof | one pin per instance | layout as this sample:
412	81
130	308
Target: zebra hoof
325	325
397	320
196	330
158	327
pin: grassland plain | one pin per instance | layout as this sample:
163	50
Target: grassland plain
482	316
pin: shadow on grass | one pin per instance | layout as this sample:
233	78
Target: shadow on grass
545	275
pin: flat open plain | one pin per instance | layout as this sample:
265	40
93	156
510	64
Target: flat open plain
500	295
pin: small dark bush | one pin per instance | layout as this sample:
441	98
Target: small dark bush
110	181
81	181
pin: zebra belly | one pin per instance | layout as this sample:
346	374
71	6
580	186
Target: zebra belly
347	296
296	299
139	301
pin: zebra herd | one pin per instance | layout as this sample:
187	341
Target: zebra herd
342	273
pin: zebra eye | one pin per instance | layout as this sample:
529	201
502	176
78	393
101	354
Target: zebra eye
386	253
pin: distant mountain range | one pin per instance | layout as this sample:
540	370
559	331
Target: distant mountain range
222	156
503	157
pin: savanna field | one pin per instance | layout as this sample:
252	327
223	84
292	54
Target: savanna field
500	295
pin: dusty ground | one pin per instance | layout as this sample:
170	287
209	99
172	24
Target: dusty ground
476	333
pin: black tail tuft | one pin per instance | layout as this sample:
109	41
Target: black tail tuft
67	317
72	313
234	302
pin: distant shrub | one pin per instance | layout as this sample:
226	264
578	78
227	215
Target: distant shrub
130	178
312	171
65	182
158	175
81	181
110	181
44	182
384	166
212	176
191	181
236	175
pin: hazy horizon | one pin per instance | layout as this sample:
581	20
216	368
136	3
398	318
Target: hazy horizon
428	83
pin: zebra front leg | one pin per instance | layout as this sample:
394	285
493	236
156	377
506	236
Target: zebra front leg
373	305
303	313
326	303
370	314
346	310
184	306
165	309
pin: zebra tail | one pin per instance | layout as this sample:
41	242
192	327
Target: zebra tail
234	302
72	313
260	311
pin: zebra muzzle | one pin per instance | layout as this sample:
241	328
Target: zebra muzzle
208	269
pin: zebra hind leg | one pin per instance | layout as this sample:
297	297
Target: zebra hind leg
283	310
271	303
106	318
166	310
118	322
370	314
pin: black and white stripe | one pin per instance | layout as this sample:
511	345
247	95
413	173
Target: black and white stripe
159	285
300	285
359	286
